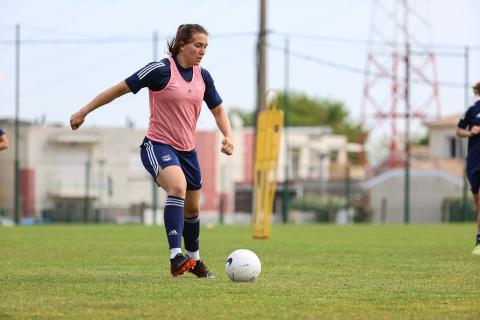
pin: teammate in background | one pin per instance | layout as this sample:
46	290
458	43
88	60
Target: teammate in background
3	140
469	126
177	86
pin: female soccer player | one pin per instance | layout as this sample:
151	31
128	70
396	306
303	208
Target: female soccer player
469	126
177	86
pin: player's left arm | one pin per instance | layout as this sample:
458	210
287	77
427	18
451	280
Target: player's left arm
214	103
223	124
464	127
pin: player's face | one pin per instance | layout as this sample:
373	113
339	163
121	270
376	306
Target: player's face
194	51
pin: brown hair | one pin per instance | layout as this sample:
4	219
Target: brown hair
476	89
184	36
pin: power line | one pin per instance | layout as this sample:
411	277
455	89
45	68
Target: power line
109	40
78	41
97	65
235	34
324	38
356	70
304	36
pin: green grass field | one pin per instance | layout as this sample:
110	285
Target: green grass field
308	272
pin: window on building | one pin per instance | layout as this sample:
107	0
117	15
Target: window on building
455	147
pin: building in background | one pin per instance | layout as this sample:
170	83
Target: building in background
437	174
97	172
318	163
65	175
63	172
428	189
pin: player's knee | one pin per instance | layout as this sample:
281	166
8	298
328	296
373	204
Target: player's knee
191	212
177	190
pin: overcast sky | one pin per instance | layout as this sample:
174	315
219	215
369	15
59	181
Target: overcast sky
58	77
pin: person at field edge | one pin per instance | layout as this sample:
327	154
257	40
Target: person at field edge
177	86
469	126
3	140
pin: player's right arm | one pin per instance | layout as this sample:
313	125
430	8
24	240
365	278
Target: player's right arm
154	75
103	98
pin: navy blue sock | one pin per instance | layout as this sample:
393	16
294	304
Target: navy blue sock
191	234
478	238
173	219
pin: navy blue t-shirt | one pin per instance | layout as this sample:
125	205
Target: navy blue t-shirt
1	132
156	75
470	119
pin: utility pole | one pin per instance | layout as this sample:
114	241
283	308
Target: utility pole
86	207
17	124
261	80
261	59
467	102
348	186
406	218
406	205
154	184
286	137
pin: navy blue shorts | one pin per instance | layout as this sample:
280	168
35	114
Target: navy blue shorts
155	154
474	180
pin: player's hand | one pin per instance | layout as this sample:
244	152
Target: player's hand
475	130
76	120
227	146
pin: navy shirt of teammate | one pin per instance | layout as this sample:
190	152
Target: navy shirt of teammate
472	118
156	75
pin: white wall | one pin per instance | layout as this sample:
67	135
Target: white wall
428	188
439	142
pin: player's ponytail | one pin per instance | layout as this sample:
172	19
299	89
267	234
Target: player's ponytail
184	36
476	89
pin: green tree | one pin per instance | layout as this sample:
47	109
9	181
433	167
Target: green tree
309	112
421	140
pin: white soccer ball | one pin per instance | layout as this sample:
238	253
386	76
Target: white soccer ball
243	265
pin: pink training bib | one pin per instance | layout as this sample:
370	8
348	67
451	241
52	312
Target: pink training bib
175	109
